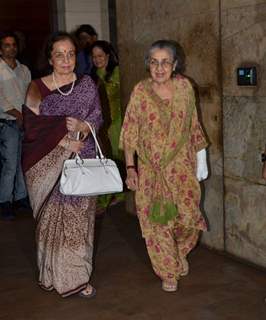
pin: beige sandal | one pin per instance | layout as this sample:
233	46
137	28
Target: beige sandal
169	286
88	292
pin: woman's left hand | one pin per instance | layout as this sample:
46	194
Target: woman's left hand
75	125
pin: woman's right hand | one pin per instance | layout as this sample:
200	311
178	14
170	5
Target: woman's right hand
132	180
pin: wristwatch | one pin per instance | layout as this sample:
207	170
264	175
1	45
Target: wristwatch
263	157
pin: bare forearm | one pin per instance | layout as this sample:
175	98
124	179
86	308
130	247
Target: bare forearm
132	175
15	113
129	156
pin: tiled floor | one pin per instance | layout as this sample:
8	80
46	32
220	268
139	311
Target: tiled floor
217	287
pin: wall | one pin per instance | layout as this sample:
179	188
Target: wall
72	13
244	43
217	36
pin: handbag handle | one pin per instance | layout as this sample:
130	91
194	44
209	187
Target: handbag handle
98	148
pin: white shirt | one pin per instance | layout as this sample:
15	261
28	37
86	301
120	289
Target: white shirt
13	87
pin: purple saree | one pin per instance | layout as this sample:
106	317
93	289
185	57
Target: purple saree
65	224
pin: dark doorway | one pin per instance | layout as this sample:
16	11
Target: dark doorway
112	23
33	19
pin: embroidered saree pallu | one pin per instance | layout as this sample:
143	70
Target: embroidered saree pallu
89	177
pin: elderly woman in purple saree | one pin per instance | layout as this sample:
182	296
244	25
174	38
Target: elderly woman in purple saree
64	224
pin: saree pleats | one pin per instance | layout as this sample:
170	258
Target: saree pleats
65	243
64	230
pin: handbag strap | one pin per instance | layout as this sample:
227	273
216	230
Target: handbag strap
97	146
93	132
77	138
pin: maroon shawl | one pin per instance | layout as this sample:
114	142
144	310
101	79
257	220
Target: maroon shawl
42	135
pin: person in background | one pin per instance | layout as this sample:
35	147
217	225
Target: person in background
14	80
161	126
57	106
23	55
106	70
86	36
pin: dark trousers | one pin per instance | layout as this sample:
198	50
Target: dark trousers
12	184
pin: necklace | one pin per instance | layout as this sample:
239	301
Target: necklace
60	91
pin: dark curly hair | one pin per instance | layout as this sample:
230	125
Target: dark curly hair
87	28
8	34
107	48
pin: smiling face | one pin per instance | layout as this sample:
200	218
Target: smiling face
99	58
8	48
161	65
63	57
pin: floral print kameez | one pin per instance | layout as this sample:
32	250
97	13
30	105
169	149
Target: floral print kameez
166	135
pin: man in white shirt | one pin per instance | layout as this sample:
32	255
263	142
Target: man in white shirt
14	80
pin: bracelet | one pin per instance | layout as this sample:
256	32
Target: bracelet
130	167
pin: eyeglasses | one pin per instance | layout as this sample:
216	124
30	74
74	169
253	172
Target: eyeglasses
60	56
165	64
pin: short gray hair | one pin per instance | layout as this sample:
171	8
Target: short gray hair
174	48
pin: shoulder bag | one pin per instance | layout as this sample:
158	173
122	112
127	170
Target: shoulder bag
90	177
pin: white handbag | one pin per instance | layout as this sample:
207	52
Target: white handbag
90	177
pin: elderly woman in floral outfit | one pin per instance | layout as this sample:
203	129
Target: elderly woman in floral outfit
161	127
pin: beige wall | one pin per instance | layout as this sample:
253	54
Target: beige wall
217	37
244	43
72	13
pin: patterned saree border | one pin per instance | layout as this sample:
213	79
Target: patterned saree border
76	290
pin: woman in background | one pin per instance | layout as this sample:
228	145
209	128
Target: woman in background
106	70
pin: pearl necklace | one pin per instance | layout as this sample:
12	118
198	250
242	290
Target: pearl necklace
60	91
